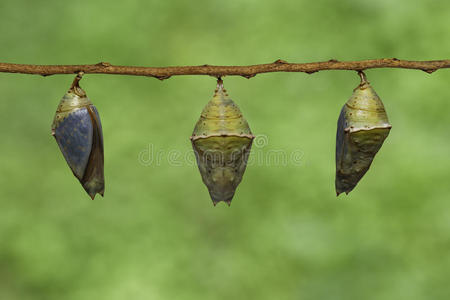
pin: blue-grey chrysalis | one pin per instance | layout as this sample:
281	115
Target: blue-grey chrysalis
78	132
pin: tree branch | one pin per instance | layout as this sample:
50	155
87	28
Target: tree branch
218	71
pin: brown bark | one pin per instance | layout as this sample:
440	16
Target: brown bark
218	71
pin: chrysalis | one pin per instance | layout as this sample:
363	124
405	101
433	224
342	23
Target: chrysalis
363	126
221	140
78	132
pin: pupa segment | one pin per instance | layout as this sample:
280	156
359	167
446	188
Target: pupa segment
363	126
78	133
221	141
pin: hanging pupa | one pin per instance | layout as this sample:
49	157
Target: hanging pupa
363	126
78	132
221	140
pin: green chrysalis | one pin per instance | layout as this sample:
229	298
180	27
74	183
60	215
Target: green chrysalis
221	140
363	126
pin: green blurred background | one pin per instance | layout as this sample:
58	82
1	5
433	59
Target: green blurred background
156	234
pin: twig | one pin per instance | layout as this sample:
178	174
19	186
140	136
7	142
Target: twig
219	71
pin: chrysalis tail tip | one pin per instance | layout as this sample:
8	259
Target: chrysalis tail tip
226	201
94	194
340	192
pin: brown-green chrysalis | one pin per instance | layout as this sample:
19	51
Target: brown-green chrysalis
221	140
363	126
78	132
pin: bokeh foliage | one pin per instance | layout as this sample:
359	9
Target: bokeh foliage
156	234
